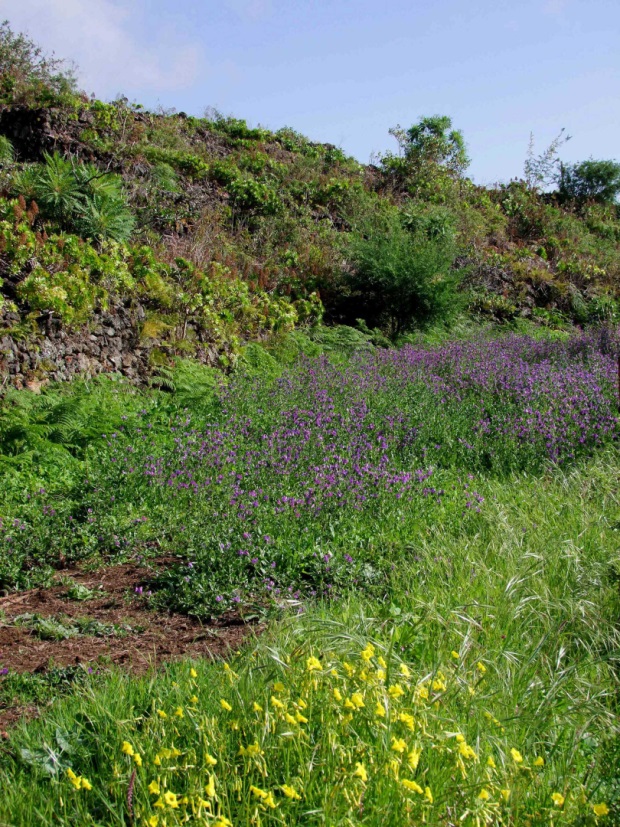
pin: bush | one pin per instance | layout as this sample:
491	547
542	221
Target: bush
401	278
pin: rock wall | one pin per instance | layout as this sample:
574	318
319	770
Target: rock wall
109	344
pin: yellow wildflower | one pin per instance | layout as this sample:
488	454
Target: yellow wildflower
455	655
251	750
222	822
350	670
161	713
269	801
290	792
428	795
539	761
505	795
86	785
600	809
290	719
558	799
193	673
257	707
159	803
153	821
399	744
380	710
262	794
137	759
360	772
278	687
302	704
491	762
466	751
314	664
225	705
358	700
210	787
348	704
381	675
381	662
407	719
412	786
484	794
153	788
127	748
171	799
337	694
179	712
422	692
210	761
157	761
368	653
300	718
276	702
516	756
193	700
481	667
414	757
404	670
396	691
438	685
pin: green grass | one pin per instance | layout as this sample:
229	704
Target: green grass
527	596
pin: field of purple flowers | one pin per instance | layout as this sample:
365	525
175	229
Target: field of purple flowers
322	478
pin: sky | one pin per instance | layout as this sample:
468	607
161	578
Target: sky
345	71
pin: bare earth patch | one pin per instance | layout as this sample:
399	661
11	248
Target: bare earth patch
148	637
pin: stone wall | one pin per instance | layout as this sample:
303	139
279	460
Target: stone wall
109	344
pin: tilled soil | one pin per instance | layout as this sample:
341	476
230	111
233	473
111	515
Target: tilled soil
152	636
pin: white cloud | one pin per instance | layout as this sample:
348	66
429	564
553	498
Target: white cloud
99	35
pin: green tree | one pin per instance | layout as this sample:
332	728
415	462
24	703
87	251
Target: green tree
589	181
432	155
28	75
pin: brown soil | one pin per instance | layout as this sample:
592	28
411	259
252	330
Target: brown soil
154	636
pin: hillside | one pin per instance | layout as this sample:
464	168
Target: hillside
128	237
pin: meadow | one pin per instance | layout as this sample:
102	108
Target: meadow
431	533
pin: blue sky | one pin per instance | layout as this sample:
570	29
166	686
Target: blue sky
345	71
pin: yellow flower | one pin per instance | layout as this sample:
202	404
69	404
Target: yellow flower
290	719
348	704
300	718
396	691
290	792
153	788
276	702
337	694
412	786
314	664
399	744
193	700
225	705
210	787
159	803
171	800
516	756
210	761
269	801
157	761
491	762
404	670
422	692
127	748
407	719
278	687
455	655
600	809
222	822
381	662
257	707
193	673
558	799
428	795
414	757
358	700
484	795
380	674
368	653
481	667
153	821
161	713
539	761
179	712
466	751
380	710
505	795
360	772
302	704
137	759
438	685
350	670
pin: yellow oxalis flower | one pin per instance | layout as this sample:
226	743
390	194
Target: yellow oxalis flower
290	719
428	795
193	673
455	655
484	794
251	750
412	786
381	662
337	694
153	821
413	759
380	710
360	772
193	700
368	652
225	705
257	707
516	756
348	704
558	799
137	759
276	702
399	744
396	691
407	719
466	751
358	700
438	685
171	800
491	762
210	761
278	687
153	788
300	718
179	712
404	670
350	670
210	787
600	809
290	792
481	667
127	748
505	795
86	785
161	713
314	664
539	761
222	822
